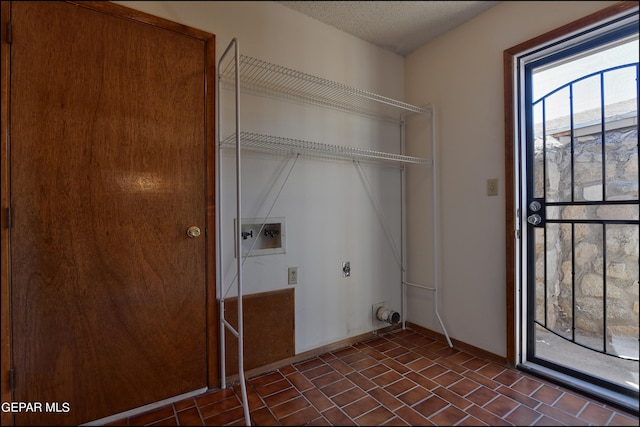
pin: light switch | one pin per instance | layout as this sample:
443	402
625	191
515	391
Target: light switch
492	187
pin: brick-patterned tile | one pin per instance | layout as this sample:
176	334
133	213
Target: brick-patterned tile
491	370
430	406
398	387
481	395
287	408
281	396
376	417
486	416
299	381
518	397
526	385
545	421
421	380
301	417
321	421
452	398
407	358
464	387
171	421
375	371
262	417
623	420
360	407
338	418
595	414
481	379
399	378
387	399
327	379
349	396
508	377
433	371
364	363
547	394
337	387
560	415
340	366
266	378
214	396
309	364
522	416
396	366
415	395
419	363
471	422
412	417
448	416
184	404
190	417
475	364
570	403
219	407
286	370
501	405
397	352
447	378
395	422
225	418
318	399
353	358
361	381
451	365
318	371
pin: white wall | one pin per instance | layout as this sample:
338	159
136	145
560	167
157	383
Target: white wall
461	74
329	216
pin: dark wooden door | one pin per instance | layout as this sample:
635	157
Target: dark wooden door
108	168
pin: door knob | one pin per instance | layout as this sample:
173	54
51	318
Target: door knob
534	219
193	231
535	206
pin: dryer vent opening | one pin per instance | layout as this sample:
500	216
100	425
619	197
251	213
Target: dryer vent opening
389	316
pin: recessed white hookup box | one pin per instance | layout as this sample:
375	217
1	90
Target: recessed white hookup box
261	236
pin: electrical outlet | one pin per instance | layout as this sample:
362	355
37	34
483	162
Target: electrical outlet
293	275
492	187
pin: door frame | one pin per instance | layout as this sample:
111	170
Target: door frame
513	135
109	8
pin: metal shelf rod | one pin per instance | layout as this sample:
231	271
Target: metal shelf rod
274	143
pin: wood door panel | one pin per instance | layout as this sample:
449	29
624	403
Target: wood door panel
108	170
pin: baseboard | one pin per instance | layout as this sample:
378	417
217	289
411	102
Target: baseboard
309	354
459	345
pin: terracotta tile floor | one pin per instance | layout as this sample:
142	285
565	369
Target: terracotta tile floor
400	378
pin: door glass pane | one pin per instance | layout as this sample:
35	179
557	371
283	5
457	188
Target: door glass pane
587	139
622	284
557	153
621	118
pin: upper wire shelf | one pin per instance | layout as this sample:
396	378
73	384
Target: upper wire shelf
296	146
263	77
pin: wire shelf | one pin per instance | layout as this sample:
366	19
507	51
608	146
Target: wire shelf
295	146
263	77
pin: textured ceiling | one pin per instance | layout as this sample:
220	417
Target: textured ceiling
398	26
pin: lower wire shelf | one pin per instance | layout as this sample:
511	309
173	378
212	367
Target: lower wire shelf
295	146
